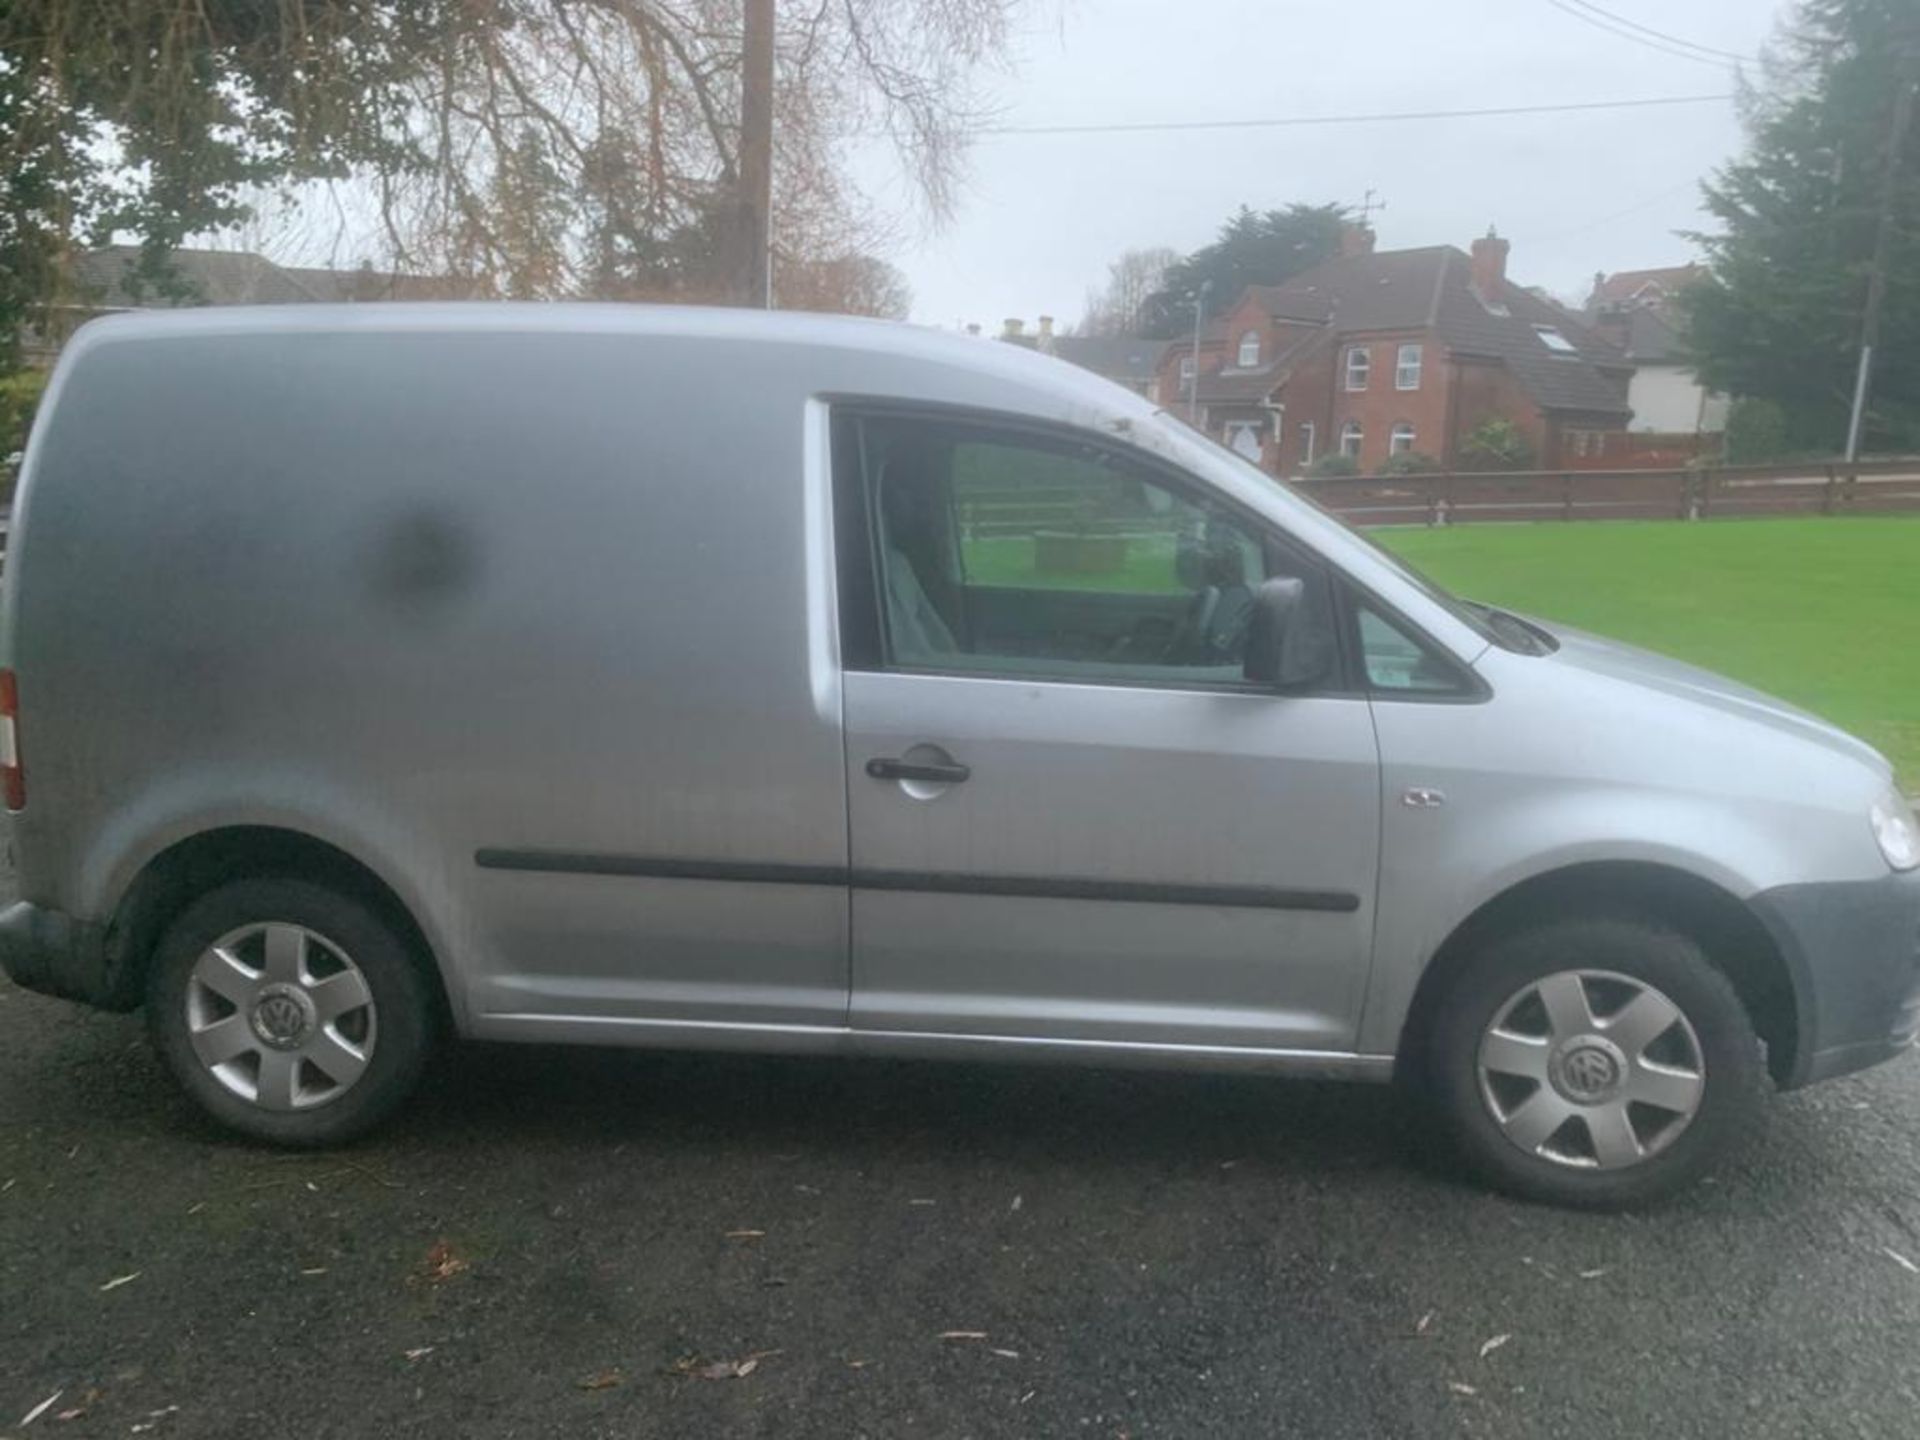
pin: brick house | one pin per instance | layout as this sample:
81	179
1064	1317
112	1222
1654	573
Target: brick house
1380	354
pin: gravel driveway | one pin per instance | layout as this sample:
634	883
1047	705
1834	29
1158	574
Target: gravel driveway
583	1243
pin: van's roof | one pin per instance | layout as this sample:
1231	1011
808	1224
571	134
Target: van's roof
879	338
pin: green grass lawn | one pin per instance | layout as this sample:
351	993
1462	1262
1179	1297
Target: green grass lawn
1822	612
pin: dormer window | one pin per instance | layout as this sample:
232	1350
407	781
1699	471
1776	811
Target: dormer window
1249	349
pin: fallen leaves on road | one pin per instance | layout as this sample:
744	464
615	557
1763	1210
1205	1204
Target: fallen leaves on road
74	1414
119	1280
605	1380
1460	1387
1494	1344
443	1262
1902	1261
37	1411
719	1369
419	1352
1425	1321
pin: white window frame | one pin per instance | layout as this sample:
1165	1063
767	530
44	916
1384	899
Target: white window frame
1406	368
1352	434
1249	341
1231	432
1400	439
1363	370
1306	442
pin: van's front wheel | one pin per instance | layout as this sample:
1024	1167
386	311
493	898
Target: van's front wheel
292	1013
1601	1063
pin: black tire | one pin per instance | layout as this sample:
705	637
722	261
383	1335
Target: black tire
403	1007
1731	1104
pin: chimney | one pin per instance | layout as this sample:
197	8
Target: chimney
1355	240
1012	329
1490	265
1046	334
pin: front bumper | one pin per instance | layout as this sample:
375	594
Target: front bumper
50	951
1853	949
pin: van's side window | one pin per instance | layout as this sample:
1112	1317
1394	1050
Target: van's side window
1398	663
1010	553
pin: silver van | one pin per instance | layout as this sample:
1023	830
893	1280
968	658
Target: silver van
709	679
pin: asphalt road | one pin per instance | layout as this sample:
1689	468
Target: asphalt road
1141	1255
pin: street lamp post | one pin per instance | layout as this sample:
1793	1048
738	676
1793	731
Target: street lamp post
1193	392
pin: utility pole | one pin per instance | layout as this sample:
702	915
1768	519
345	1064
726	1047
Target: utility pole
756	155
1199	314
1882	243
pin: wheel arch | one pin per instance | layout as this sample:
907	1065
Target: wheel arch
1733	937
174	877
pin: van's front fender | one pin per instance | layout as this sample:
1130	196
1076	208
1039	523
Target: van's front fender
1441	866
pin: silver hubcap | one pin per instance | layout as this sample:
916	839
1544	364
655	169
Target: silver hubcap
280	1016
1591	1069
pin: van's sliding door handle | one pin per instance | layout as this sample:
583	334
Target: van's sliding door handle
887	768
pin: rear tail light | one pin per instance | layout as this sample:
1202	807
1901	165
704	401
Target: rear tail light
13	778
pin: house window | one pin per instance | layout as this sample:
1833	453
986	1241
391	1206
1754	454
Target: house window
1186	374
1401	441
1588	442
1306	442
1249	349
1554	340
1406	369
1243	438
1359	362
1350	434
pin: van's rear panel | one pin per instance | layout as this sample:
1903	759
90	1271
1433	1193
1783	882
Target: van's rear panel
420	594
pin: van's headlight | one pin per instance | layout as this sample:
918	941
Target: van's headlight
1897	831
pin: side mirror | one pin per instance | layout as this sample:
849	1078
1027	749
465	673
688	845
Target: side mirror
1289	644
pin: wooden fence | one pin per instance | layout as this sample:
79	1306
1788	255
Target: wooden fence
1721	492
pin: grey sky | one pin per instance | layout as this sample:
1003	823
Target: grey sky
1041	216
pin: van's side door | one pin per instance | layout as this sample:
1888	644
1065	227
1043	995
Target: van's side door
1070	815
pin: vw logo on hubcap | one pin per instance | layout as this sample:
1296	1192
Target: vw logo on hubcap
1588	1069
282	1016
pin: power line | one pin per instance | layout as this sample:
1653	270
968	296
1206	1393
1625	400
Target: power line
1620	32
1278	122
1663	35
1667	194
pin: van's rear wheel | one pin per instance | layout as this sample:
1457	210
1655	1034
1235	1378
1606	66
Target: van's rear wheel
292	1013
1600	1062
